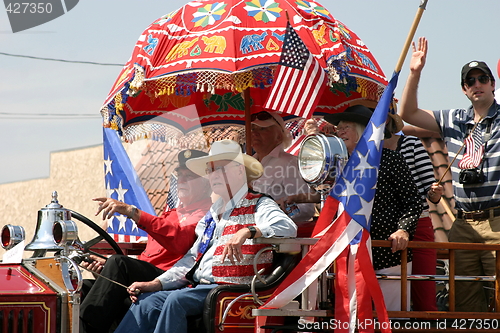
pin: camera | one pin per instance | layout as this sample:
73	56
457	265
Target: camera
471	176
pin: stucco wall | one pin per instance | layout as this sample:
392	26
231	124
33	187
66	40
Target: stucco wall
76	175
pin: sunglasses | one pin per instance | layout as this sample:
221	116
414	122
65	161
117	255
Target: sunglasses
263	115
470	81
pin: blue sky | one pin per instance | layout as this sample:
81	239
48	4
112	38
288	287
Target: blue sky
106	31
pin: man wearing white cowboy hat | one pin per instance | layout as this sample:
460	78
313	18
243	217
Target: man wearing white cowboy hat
218	255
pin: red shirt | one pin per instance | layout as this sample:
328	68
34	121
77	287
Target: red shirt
172	234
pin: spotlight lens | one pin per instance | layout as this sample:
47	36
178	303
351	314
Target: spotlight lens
311	159
57	233
321	160
6	237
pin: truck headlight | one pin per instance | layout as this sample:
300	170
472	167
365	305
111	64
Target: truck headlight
321	160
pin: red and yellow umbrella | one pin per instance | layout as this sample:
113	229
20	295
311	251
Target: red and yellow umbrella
189	68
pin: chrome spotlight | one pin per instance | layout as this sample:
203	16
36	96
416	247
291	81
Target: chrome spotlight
65	232
321	160
12	235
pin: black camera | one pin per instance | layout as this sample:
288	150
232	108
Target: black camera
471	176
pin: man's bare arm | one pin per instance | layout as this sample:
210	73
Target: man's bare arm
408	108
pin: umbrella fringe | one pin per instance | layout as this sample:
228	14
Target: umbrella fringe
198	139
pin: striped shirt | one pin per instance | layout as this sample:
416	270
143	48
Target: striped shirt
455	125
419	164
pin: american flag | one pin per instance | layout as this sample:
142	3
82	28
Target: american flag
123	185
347	239
299	80
295	146
474	150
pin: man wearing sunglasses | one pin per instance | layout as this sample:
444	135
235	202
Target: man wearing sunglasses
472	135
281	177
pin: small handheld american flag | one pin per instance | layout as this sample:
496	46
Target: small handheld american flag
299	80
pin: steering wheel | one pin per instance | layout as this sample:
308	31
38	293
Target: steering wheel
102	233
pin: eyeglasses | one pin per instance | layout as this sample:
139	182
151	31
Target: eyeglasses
263	115
343	128
470	81
212	169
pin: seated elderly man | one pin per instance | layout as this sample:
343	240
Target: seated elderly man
170	236
281	178
224	250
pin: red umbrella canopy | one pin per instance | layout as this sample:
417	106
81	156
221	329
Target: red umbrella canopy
188	68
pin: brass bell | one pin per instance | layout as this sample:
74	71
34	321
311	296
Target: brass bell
43	240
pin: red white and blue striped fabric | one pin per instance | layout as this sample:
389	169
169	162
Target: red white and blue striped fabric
347	239
474	150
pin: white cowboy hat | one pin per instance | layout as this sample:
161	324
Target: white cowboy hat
226	150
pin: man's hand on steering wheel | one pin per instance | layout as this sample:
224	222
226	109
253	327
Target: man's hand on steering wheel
95	264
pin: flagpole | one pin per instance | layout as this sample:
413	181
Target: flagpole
411	34
248	122
397	69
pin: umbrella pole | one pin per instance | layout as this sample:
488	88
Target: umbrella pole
248	122
411	34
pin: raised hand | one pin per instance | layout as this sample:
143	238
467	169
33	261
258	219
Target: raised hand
419	55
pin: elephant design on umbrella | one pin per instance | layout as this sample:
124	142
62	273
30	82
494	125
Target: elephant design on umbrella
252	41
214	44
180	50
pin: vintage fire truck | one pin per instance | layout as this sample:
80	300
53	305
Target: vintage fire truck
41	294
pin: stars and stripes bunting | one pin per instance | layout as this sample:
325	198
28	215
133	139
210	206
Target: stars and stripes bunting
347	239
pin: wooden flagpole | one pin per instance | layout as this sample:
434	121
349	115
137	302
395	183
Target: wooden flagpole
399	65
411	34
248	122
